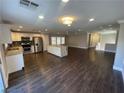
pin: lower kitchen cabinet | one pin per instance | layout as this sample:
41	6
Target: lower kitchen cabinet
15	63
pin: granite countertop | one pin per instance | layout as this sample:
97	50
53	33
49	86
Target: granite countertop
14	51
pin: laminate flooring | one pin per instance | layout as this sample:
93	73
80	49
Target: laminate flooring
82	71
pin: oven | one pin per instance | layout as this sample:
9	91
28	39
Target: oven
26	44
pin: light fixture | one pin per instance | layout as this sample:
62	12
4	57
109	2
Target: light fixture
67	20
65	1
20	27
91	20
41	17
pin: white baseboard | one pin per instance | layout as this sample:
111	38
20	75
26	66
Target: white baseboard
110	51
79	47
121	70
107	51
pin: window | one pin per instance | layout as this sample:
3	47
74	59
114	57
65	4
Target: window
63	40
53	40
57	40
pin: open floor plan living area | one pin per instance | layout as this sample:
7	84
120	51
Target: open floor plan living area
61	46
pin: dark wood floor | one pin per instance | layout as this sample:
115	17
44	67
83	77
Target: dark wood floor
83	71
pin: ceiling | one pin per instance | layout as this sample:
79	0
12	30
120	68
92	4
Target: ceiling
105	12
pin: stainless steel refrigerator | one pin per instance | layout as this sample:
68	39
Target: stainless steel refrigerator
38	44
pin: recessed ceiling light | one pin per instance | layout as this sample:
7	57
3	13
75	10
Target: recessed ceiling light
18	30
65	1
92	19
41	17
20	27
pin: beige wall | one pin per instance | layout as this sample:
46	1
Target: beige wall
78	40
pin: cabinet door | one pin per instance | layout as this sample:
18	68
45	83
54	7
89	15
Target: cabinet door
15	63
16	36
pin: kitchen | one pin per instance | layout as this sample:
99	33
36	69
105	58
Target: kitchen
16	44
22	43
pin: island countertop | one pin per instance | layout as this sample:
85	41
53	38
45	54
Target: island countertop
14	51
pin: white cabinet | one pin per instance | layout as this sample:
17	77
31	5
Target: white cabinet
5	33
16	36
15	63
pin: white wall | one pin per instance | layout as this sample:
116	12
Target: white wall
3	65
5	33
78	40
107	39
3	61
45	41
119	58
94	39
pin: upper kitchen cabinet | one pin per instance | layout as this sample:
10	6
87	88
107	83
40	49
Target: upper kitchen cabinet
5	33
16	36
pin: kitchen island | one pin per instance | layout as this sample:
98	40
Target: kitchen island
58	50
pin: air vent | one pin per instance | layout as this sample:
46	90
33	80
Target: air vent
28	4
